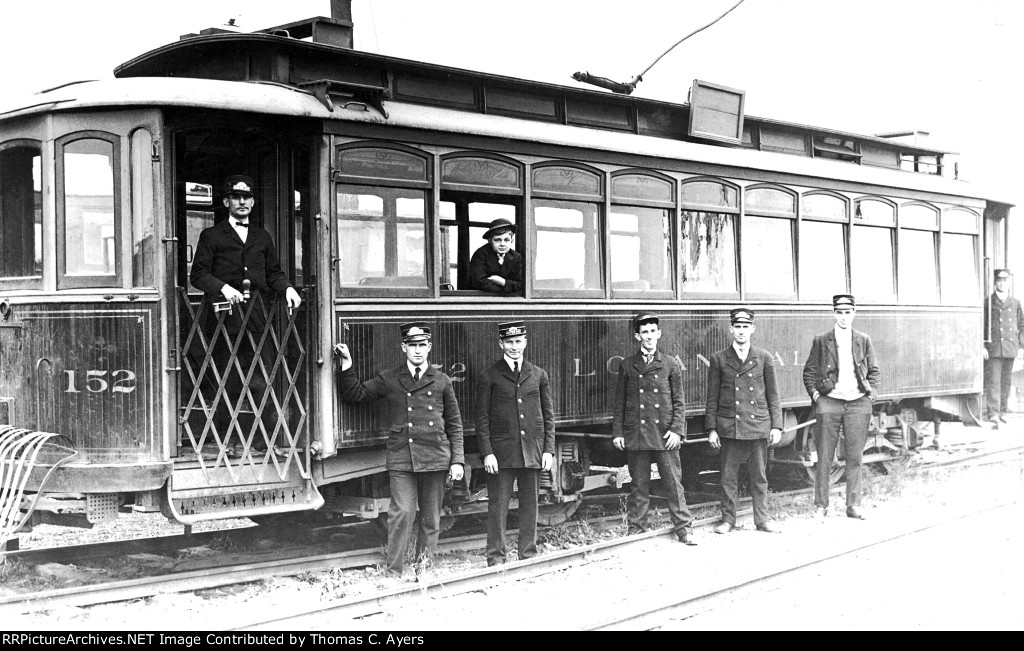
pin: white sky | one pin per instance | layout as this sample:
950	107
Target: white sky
866	66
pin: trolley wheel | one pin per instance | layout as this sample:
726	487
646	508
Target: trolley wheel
835	473
890	466
380	524
548	515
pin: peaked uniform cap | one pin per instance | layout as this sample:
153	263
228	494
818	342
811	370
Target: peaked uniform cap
741	315
511	329
240	184
642	318
1002	273
415	331
843	300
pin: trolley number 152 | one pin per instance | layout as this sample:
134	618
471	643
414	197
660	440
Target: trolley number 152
121	381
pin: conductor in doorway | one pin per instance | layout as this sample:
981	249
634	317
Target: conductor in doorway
515	429
649	423
496	266
424	440
841	375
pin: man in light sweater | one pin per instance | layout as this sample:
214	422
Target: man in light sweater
841	375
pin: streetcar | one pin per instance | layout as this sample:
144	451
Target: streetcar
376	177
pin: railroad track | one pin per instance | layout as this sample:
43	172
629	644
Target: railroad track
233	574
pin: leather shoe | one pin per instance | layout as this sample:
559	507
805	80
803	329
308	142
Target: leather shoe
687	539
854	512
724	527
1002	419
634	531
769	527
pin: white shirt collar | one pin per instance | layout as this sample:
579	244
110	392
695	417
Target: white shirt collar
512	362
413	367
843	333
741	352
1001	295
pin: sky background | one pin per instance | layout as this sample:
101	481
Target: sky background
865	66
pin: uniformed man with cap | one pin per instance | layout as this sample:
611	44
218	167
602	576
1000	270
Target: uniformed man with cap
743	417
1004	325
515	429
841	375
227	254
496	266
424	440
649	423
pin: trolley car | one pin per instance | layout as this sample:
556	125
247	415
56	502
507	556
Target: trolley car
376	177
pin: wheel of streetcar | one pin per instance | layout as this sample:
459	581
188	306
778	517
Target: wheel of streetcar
548	515
896	463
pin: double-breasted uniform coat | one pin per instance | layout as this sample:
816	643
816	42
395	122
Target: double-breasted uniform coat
1004	324
515	422
743	406
648	404
743	396
425	430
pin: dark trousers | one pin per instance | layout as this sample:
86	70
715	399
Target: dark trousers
854	417
998	376
639	502
754	453
412	491
499	492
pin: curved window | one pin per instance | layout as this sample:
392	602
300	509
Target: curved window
641	187
382	204
88	210
707	238
958	220
918	254
823	206
769	200
959	256
559	179
873	251
481	172
21	214
768	237
381	163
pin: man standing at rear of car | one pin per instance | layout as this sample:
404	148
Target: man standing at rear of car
743	417
424	441
841	375
649	423
1004	324
515	428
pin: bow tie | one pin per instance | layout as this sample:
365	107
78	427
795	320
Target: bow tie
242	224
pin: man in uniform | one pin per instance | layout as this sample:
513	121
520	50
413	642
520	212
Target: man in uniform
515	428
424	441
841	375
649	423
743	417
496	266
227	255
1004	340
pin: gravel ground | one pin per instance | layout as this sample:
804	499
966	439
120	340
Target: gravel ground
218	608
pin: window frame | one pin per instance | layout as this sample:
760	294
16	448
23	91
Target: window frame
31	282
477	193
736	213
975	233
893	237
794	239
846	239
601	200
671	206
430	223
64	281
900	246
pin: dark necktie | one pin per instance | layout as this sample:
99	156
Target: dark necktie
416	375
517	370
648	358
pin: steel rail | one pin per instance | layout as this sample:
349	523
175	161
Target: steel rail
219	576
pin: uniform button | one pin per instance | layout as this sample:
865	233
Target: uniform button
520	400
410	440
410	425
641	406
641	375
408	394
430	407
751	388
751	402
655	390
410	408
656	422
738	374
431	423
656	406
737	402
737	417
429	393
641	390
522	432
655	377
751	415
522	415
750	375
643	422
